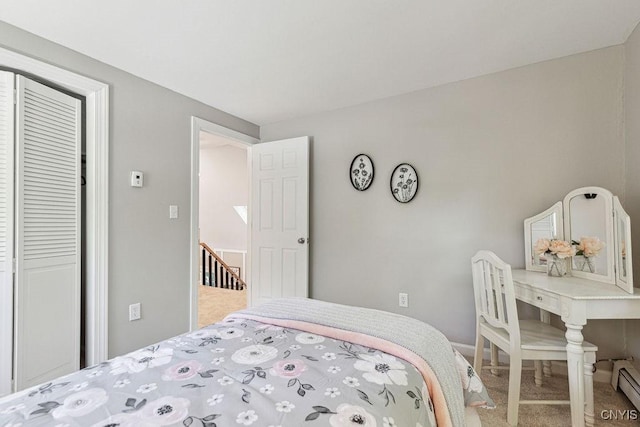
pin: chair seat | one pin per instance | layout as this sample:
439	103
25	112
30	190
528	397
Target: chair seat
537	336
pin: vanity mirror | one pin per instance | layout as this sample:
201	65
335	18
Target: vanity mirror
545	225
622	248
594	222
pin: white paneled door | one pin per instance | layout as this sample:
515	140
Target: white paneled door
47	234
279	219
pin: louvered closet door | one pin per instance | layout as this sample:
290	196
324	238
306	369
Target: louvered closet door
47	291
6	229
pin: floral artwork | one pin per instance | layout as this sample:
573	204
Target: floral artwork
361	172
404	183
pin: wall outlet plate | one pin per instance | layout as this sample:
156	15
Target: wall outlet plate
403	299
137	179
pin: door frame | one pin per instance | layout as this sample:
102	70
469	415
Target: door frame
97	213
198	125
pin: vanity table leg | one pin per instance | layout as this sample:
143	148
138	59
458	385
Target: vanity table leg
575	367
589	416
537	376
545	317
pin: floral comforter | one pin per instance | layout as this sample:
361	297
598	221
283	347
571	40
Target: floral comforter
246	372
238	372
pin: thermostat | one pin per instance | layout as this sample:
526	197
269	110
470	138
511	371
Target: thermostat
137	178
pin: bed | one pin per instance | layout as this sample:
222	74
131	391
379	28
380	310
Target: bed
288	362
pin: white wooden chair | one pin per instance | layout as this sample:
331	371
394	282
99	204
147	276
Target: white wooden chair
497	321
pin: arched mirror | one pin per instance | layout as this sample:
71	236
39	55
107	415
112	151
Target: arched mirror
545	225
594	222
588	225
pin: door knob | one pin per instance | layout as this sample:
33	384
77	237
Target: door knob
302	240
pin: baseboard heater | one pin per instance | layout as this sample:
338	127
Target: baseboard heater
626	377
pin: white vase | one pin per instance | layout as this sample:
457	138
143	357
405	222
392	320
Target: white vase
584	263
557	267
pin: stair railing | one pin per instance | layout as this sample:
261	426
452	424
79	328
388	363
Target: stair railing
216	273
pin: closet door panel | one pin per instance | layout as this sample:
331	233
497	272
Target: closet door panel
47	291
7	122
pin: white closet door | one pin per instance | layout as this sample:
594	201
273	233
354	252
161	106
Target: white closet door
47	291
6	229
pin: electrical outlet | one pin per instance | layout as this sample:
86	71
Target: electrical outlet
137	179
134	311
403	299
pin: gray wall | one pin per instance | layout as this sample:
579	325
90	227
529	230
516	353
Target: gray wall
489	152
149	254
632	158
224	183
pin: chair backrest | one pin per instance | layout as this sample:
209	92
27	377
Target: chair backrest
494	294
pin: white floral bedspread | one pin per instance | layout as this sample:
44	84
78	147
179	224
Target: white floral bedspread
235	373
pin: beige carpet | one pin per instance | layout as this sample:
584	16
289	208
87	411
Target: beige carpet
215	303
555	387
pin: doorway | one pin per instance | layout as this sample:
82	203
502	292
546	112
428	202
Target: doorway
223	231
220	143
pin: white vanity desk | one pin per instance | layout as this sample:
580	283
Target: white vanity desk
576	300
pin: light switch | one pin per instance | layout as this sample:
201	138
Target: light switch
137	178
173	211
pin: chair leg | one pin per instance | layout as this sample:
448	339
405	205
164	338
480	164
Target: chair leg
546	368
538	374
477	357
494	358
589	360
515	372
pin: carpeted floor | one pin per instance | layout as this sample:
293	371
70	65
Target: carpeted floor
215	303
555	387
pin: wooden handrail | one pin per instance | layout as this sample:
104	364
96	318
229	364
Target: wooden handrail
223	264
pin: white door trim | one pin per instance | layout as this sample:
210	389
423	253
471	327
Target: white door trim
97	193
198	125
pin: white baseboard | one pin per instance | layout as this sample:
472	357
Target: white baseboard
601	375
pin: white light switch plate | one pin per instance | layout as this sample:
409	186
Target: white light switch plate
173	211
134	311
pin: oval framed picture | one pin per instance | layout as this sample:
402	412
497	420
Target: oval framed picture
404	183
361	172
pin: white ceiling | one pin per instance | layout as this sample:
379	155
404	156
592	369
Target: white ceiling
272	60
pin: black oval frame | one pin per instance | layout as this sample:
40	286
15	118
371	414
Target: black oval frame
351	167
417	183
